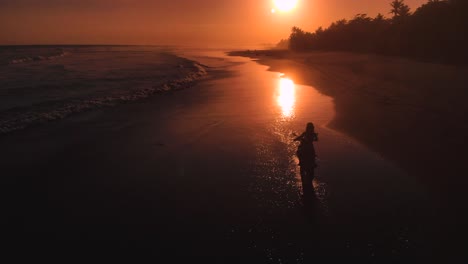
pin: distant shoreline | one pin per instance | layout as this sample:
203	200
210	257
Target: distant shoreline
410	112
81	45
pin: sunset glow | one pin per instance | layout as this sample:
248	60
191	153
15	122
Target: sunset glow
265	131
285	5
199	23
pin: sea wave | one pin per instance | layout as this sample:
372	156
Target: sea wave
25	59
16	119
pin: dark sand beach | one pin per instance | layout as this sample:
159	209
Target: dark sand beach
210	171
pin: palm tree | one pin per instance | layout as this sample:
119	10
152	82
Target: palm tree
399	9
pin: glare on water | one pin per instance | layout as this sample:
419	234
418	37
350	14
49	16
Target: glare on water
286	97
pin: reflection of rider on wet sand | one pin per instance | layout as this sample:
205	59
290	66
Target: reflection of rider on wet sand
306	154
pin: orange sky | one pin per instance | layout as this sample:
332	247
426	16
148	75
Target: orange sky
194	22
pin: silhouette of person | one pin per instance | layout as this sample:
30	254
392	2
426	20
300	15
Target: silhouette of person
306	154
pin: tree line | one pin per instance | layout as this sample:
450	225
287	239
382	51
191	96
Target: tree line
436	31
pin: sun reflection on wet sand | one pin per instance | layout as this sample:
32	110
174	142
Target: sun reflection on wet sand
286	97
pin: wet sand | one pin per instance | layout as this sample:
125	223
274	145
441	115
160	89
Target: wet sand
210	171
413	113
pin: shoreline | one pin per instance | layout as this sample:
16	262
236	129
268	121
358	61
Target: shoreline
132	175
395	106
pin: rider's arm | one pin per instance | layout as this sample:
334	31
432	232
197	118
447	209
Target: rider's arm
299	138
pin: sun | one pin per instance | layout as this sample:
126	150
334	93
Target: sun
285	5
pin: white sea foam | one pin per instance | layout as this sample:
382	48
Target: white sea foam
90	78
36	58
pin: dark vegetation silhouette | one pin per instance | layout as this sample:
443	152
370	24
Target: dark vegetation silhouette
437	31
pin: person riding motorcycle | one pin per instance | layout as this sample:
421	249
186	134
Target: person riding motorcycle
306	151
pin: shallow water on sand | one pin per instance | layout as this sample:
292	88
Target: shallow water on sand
372	205
212	170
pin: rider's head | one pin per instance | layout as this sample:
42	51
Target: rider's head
310	127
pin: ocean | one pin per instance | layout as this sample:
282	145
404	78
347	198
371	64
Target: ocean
39	84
